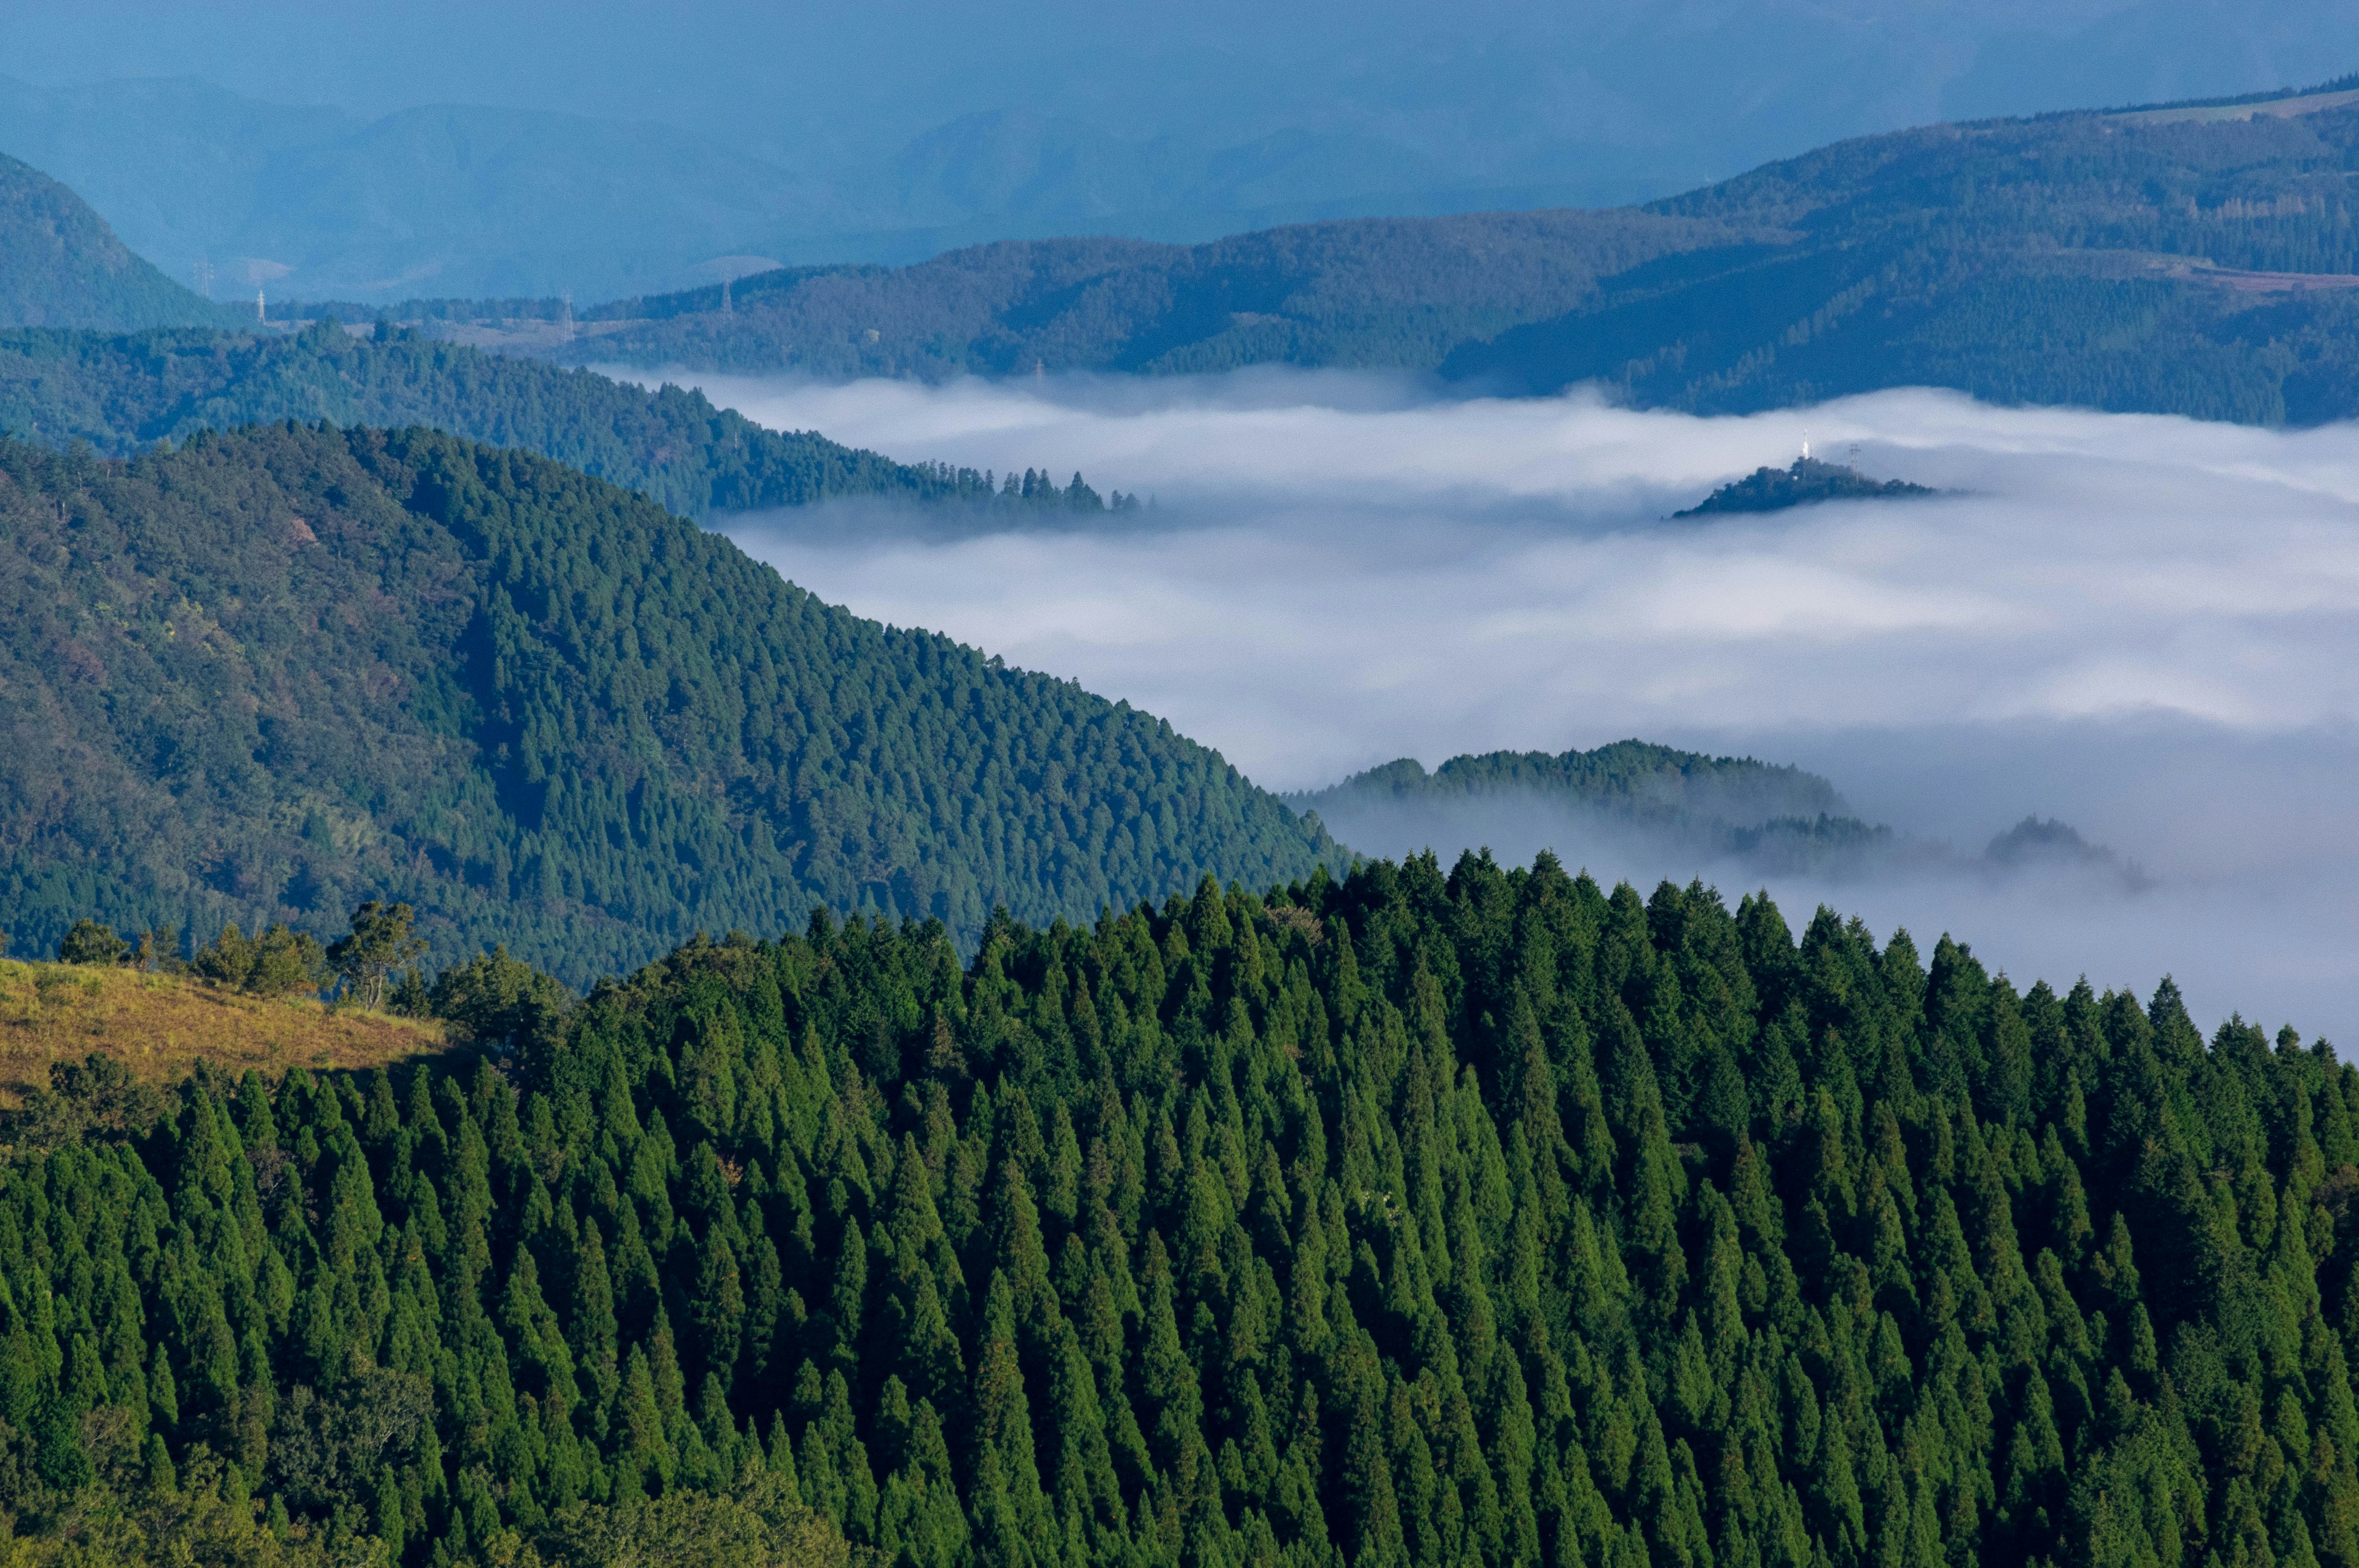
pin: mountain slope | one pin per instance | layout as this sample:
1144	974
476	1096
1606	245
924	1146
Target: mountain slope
120	392
280	671
60	265
2196	260
1485	1218
1393	292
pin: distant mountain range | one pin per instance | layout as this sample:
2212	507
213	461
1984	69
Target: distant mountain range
379	157
2193	259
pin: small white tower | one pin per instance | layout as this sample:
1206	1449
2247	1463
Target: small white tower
260	313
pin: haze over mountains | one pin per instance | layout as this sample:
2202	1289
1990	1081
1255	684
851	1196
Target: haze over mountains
529	161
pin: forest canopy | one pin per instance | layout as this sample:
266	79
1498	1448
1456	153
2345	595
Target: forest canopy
278	672
1416	1218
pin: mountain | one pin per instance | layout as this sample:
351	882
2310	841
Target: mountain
60	265
618	154
2189	259
1396	293
1633	804
1417	1218
1666	804
276	671
122	392
1806	481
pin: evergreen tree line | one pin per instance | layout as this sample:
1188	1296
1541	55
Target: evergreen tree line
1486	1217
123	393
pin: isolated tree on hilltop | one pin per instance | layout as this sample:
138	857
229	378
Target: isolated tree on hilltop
380	942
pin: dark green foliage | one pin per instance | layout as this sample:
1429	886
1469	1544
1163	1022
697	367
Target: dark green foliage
493	999
1488	1217
1772	490
273	962
382	939
60	265
121	395
88	942
275	673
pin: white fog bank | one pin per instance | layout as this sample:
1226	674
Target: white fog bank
2144	625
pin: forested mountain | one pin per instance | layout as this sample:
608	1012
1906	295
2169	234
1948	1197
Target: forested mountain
1696	808
1632	804
1489	1218
120	394
2193	261
1371	292
60	265
280	670
2171	261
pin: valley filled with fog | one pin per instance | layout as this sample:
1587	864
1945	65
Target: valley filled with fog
2142	626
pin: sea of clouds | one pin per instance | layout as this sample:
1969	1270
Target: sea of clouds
2143	625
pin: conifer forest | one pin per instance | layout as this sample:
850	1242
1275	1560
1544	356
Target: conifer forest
1485	1217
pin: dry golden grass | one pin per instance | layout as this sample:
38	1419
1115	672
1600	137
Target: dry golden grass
159	1025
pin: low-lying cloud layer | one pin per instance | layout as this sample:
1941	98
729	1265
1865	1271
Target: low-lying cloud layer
2143	625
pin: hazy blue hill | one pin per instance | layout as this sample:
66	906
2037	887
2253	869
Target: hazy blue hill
276	671
2163	261
1396	293
60	265
2184	261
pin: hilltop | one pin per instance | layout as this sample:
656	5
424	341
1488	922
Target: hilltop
60	265
160	1026
278	671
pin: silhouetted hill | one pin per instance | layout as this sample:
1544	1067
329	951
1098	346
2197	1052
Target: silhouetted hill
60	265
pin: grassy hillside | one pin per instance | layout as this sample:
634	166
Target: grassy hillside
276	671
60	265
2197	260
161	1026
122	392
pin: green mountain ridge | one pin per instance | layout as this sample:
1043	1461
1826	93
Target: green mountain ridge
280	670
60	265
119	393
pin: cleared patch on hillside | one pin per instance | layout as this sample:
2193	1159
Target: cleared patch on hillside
161	1025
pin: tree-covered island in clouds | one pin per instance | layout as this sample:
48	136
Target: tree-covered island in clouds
1635	803
1808	479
